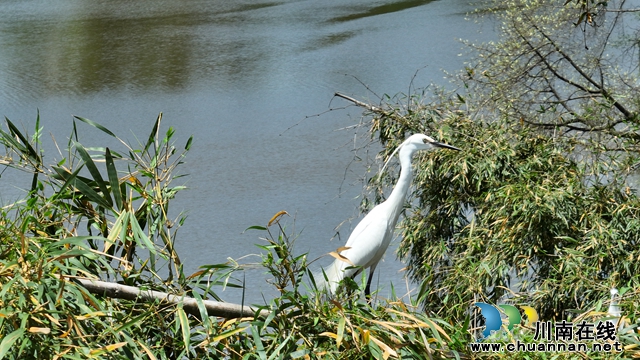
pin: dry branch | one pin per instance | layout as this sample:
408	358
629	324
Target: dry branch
369	107
214	308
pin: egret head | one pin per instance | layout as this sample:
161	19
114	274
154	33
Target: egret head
417	142
424	142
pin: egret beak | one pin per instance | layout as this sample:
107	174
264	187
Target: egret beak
445	146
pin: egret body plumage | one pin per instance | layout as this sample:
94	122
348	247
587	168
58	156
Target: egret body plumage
371	237
614	305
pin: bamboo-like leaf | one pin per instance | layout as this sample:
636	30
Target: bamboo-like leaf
31	152
8	285
67	179
91	194
40	330
140	236
202	309
387	350
153	134
341	325
90	315
96	125
8	341
256	227
276	351
134	322
391	326
277	216
300	353
84	189
329	334
168	135
258	341
113	179
108	348
436	329
269	318
93	169
184	326
375	350
8	139
147	350
37	131
365	336
226	334
118	229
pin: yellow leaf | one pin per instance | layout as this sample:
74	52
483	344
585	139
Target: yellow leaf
107	348
433	325
149	353
277	216
90	315
341	258
329	334
387	350
420	323
391	326
115	346
228	333
365	336
233	321
39	330
51	318
356	336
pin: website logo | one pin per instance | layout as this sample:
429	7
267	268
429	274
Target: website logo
493	317
548	337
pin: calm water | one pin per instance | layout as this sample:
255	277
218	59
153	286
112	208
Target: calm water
236	75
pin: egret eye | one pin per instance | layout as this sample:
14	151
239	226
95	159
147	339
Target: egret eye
424	140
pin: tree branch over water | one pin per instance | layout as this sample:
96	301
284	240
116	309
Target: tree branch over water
189	304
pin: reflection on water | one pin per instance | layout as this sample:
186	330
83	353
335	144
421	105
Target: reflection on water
90	46
237	75
100	47
359	12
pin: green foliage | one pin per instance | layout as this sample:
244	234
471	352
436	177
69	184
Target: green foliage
89	218
517	216
541	207
304	325
85	219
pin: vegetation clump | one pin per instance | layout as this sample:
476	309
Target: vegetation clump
102	214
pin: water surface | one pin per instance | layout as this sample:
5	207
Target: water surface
245	78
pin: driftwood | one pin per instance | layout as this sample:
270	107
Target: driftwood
189	304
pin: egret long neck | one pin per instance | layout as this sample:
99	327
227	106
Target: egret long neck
399	193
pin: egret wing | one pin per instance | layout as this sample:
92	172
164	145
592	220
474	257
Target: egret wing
367	238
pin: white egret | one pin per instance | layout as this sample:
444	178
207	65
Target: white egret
614	305
371	237
614	311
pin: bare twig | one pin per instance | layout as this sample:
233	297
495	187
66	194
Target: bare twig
369	107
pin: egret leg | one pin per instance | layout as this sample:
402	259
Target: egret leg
367	289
